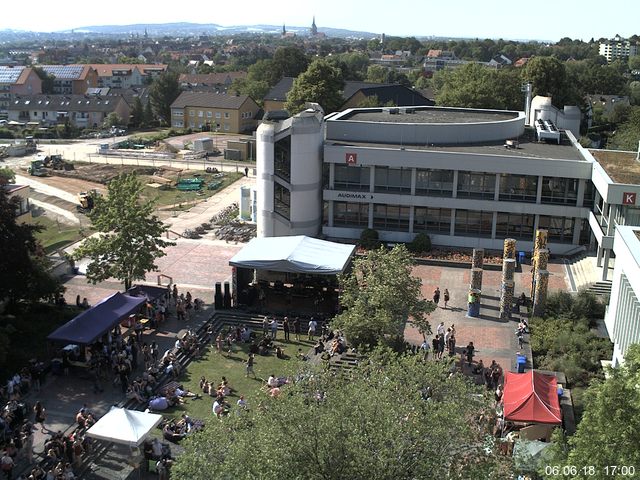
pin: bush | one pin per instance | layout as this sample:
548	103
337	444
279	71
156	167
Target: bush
6	133
369	239
421	243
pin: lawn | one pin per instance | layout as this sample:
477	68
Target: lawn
174	197
55	235
213	366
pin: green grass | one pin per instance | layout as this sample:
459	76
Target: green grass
176	197
55	235
213	366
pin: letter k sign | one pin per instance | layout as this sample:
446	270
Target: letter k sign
628	198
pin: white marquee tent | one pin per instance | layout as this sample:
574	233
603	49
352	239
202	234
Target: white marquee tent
128	427
296	254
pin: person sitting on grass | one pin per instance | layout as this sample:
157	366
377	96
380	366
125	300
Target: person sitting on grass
318	347
280	353
301	356
220	407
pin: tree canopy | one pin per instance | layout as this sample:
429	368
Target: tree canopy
23	267
321	83
129	234
608	433
378	296
392	417
162	93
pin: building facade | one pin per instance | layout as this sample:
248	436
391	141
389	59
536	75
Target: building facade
617	48
17	80
126	75
215	111
623	315
71	79
466	177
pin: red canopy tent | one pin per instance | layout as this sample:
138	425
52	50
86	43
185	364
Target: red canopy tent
531	397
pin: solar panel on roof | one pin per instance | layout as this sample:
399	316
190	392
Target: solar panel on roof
10	74
64	71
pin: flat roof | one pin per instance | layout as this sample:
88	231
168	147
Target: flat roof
622	167
427	115
528	147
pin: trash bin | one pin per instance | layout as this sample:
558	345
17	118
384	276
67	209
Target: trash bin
521	361
521	258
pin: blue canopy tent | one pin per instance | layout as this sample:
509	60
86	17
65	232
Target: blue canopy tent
150	292
93	323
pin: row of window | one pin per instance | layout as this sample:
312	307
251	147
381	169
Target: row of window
180	124
209	114
466	222
480	185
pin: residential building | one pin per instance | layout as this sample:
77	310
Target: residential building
353	94
220	81
617	48
14	81
21	192
71	79
215	111
466	177
120	75
623	314
82	111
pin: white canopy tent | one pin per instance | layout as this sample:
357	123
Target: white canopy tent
128	427
295	254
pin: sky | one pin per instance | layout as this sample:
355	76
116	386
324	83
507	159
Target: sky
508	19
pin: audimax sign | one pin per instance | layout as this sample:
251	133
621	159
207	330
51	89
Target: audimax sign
355	196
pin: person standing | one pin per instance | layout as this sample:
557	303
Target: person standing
452	345
434	345
446	297
312	328
246	171
425	349
40	414
296	328
441	345
470	350
265	326
249	367
285	328
436	296
274	328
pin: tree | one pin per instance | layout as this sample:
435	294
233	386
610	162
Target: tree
320	83
112	120
47	80
163	92
137	113
392	417
607	436
376	74
129	239
7	176
476	86
548	77
147	117
289	61
23	268
379	296
628	133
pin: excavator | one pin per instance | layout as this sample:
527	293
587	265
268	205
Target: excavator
86	201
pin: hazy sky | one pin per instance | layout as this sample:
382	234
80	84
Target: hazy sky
509	19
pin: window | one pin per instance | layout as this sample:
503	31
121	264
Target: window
209	114
200	113
348	177
560	228
226	115
391	217
192	113
282	158
434	182
218	115
227	127
432	220
350	214
589	194
518	188
560	191
515	225
282	201
473	223
392	180
476	185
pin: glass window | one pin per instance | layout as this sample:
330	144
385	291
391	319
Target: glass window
226	115
391	217
560	228
476	185
432	220
218	115
434	182
347	177
473	223
518	188
515	225
589	194
350	214
282	200
282	158
560	191
396	180
209	114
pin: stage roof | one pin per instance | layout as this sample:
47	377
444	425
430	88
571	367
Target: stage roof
297	254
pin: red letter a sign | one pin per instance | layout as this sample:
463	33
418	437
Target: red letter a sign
351	158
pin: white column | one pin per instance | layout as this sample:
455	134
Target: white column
539	191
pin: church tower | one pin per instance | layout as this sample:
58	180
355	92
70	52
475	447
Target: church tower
314	29
284	31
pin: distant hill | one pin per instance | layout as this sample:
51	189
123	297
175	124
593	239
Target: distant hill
184	29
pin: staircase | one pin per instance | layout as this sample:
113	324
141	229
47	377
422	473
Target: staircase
344	362
601	288
581	271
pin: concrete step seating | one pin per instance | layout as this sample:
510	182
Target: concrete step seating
582	269
601	288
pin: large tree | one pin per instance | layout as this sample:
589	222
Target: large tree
129	238
607	437
23	267
548	76
163	92
394	417
320	83
379	296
